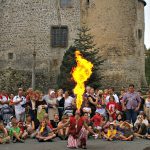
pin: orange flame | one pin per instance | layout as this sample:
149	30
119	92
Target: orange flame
81	73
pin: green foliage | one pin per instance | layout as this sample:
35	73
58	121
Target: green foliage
85	44
147	66
65	80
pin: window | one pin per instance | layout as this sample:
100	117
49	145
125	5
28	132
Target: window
65	3
59	36
139	34
10	55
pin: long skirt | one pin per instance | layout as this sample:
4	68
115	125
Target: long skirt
81	140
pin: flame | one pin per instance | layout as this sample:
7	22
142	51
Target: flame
81	73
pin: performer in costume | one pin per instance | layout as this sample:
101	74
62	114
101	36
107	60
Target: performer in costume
78	131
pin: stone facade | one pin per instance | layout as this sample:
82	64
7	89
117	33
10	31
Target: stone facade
118	27
25	25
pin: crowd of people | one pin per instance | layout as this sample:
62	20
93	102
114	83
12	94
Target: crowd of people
103	115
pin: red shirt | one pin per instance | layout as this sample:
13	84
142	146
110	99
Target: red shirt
75	126
111	106
97	120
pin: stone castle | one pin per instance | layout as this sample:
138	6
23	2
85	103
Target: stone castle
49	27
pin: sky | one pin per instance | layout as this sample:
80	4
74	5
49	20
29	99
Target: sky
147	24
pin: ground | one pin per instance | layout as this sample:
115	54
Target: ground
92	145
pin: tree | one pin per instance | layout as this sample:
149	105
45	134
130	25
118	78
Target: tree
85	44
65	80
147	66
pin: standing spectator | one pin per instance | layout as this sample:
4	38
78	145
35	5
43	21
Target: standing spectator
112	107
142	101
6	110
87	93
93	100
19	102
131	104
147	106
52	104
111	92
87	109
60	101
68	105
41	107
105	94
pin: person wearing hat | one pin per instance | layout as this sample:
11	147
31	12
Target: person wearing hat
51	101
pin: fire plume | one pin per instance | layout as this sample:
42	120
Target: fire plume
81	73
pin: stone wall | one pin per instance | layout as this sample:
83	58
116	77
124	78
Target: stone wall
11	80
25	25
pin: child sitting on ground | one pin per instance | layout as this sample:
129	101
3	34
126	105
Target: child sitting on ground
97	121
63	133
44	133
111	133
15	132
126	132
4	138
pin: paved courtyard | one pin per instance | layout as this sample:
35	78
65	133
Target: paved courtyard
92	145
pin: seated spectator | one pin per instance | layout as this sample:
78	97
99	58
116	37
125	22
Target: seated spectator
97	120
15	132
4	138
147	106
111	133
48	122
55	121
63	133
29	127
97	123
141	126
126	132
44	133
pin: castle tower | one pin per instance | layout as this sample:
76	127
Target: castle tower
118	27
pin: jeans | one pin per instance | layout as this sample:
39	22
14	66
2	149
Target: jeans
131	115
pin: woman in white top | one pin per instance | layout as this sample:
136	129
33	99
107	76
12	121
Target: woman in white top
68	103
147	106
51	101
